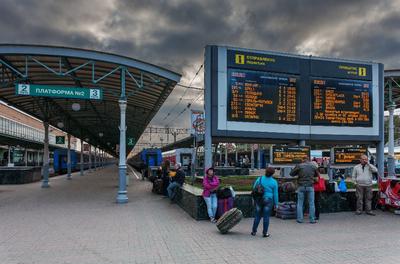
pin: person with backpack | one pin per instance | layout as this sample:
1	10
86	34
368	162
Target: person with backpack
210	186
265	196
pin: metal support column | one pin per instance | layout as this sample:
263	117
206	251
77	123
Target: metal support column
90	158
45	181
9	156
391	159
226	155
252	156
101	158
207	108
81	159
94	159
69	157
38	158
194	160
26	157
259	157
122	193
236	154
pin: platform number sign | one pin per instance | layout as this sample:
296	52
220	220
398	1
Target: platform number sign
60	140
95	94
131	141
24	89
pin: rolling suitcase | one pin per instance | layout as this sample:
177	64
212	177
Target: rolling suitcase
224	205
158	186
229	220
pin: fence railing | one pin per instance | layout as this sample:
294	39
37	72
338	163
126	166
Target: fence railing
18	130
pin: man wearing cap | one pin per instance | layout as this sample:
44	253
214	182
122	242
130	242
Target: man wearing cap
362	176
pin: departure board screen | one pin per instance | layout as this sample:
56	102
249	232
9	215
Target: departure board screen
261	97
348	155
289	155
341	102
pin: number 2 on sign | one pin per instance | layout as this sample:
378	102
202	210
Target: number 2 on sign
24	89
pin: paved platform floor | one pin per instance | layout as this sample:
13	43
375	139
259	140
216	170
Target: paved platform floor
78	222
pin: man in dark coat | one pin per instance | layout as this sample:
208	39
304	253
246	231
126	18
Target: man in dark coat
176	182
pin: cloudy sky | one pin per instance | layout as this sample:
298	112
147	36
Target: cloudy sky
173	33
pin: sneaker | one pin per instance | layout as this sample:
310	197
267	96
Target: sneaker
265	235
313	222
253	233
370	213
358	213
298	221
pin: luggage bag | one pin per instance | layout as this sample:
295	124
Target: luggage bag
224	205
228	220
158	186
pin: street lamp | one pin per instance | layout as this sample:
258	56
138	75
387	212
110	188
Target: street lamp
60	124
76	107
101	134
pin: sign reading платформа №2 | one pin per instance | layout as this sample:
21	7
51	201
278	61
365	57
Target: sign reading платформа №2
59	91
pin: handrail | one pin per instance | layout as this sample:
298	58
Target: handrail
15	129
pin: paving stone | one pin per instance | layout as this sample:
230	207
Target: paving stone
78	221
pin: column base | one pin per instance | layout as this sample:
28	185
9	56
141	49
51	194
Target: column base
45	184
122	198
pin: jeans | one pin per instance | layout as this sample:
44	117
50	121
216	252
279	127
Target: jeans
301	191
212	204
264	211
172	190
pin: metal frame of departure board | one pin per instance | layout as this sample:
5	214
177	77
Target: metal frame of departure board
219	60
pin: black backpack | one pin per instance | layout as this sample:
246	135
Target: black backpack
224	193
258	191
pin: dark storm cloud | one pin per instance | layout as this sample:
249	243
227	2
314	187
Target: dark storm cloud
173	33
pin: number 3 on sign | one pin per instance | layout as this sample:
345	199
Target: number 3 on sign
94	94
24	89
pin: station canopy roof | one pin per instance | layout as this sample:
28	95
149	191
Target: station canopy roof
393	76
147	87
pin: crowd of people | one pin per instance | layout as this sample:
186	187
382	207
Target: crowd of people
265	190
309	184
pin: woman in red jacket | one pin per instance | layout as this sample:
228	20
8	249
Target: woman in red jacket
210	186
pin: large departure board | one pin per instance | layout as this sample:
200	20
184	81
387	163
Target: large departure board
289	155
348	155
341	102
261	97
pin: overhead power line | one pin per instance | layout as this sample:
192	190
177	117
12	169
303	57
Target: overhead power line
181	98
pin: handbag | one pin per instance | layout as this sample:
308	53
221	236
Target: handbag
258	191
319	186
